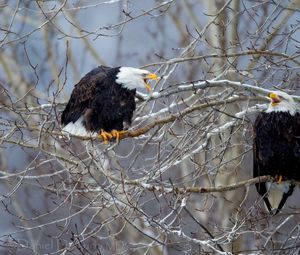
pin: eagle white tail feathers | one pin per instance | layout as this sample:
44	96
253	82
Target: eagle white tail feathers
277	195
77	128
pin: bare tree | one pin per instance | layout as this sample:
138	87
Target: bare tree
180	181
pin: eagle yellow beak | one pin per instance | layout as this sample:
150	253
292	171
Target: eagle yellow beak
150	76
274	98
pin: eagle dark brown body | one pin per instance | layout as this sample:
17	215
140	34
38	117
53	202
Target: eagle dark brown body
100	101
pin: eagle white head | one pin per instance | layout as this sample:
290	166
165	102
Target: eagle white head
281	102
133	78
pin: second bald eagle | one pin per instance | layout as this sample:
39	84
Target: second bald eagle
276	150
103	101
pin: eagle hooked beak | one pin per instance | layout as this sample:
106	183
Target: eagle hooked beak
150	76
274	98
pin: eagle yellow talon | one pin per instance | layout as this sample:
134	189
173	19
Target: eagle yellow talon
105	136
279	179
117	134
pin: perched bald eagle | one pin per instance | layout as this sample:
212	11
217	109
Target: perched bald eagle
276	149
102	103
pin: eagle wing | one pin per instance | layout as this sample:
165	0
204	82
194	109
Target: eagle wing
83	94
297	137
258	155
262	148
262	153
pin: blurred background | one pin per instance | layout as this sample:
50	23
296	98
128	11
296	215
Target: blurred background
217	60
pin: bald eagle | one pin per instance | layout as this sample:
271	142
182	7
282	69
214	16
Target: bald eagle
276	150
102	103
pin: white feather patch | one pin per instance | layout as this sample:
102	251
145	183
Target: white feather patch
78	129
276	191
